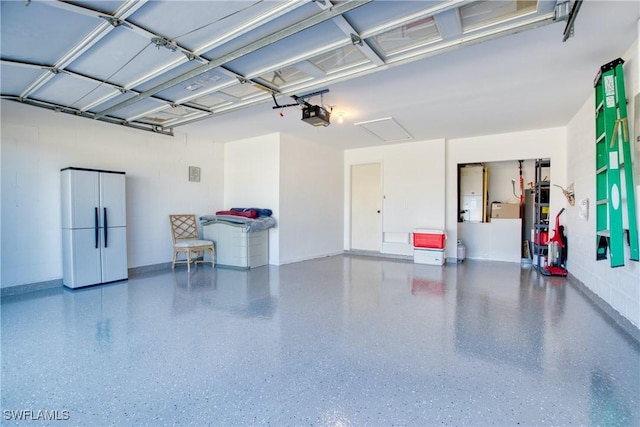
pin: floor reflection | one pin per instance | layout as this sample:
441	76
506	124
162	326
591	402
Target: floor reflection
501	313
245	293
96	314
337	340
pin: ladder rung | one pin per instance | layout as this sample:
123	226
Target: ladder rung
602	202
602	169
605	233
599	107
601	137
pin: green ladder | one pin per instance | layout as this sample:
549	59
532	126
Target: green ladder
613	152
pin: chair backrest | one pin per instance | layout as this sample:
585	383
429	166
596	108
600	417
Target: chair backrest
183	227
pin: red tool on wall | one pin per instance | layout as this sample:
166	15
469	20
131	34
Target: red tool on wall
557	247
525	251
521	190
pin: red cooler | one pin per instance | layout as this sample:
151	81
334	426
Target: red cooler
429	239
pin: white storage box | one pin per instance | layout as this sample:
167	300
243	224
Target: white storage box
237	248
428	256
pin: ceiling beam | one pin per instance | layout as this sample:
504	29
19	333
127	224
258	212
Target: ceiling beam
251	47
346	27
54	71
75	112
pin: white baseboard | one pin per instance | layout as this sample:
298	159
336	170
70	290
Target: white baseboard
310	257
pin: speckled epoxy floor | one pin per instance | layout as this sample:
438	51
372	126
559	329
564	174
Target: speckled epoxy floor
337	341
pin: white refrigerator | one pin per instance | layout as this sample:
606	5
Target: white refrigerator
94	227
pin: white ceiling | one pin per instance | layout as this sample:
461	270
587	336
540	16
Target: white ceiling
526	80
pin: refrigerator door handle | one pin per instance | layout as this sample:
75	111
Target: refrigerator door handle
105	227
96	222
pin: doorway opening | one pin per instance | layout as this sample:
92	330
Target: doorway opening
495	207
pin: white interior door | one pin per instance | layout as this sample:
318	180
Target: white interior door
366	207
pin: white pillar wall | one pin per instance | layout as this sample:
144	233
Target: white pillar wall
297	180
252	179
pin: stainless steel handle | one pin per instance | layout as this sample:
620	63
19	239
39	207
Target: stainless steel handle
105	226
96	223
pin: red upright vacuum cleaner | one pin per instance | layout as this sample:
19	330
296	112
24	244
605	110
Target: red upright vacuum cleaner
556	251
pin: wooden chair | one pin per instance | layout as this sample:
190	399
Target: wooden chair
184	231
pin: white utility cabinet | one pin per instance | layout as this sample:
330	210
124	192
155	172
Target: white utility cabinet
94	227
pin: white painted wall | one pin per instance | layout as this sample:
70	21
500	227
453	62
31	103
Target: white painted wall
37	143
252	179
543	143
620	287
498	240
413	176
311	197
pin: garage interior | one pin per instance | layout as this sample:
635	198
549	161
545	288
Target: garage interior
295	107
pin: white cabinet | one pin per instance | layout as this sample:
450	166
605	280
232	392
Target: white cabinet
94	232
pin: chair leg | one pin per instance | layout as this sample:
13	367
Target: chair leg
213	256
